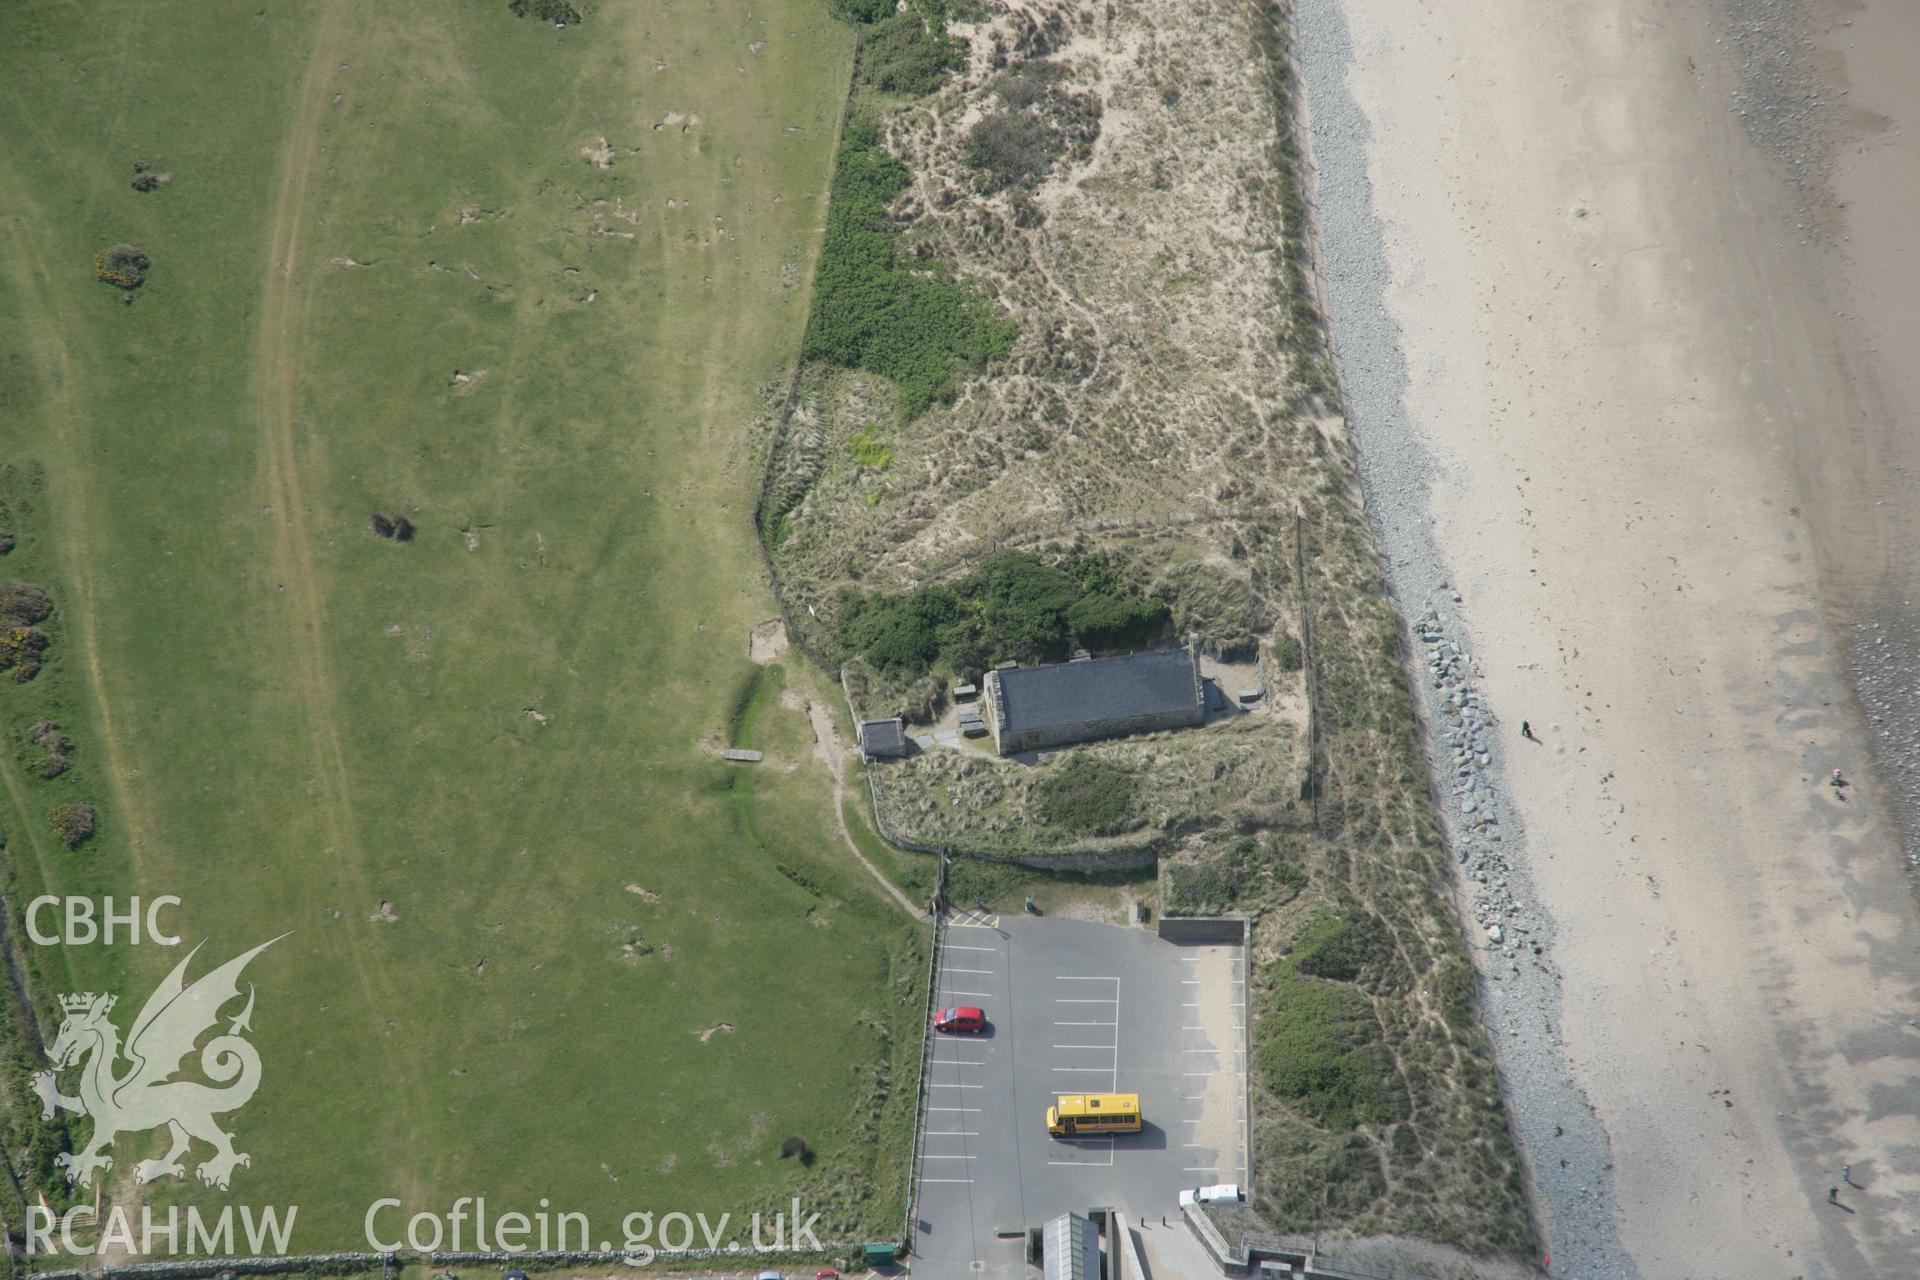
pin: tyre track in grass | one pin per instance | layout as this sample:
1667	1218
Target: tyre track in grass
286	308
285	305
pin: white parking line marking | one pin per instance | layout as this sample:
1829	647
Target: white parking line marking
1083	1046
953	1108
926	1180
935	1084
1199	1051
1081	977
988	972
1198	1097
954	946
1100	1070
1065	1000
1202	1168
924	1156
1196	1073
976	994
950	1133
1086	1024
956	1062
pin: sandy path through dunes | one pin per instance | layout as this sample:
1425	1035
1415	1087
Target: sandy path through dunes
1618	415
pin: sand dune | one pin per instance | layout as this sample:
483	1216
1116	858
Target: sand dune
1626	307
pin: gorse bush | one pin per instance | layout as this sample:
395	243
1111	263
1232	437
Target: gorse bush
73	823
47	750
23	604
124	266
20	651
875	309
1087	795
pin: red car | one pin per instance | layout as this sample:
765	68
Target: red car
962	1018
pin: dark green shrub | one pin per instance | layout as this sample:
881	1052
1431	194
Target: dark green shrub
546	10
1331	946
1110	612
1014	605
862	11
1087	795
1010	149
1317	1045
1286	651
905	54
1037	124
1024	602
901	632
875	309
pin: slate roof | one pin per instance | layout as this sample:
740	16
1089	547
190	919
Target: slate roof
1073	693
877	736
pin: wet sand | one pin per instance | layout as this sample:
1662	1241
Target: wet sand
1630	346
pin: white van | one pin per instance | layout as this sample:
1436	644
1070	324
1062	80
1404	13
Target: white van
1220	1193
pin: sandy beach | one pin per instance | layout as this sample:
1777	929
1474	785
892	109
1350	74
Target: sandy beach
1625	302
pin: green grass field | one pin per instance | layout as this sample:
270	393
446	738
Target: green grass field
548	366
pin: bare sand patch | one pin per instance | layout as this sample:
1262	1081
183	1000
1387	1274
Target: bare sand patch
767	641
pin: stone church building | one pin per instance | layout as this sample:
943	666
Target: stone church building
1033	708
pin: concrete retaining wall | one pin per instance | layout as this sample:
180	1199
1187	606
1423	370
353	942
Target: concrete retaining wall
1221	929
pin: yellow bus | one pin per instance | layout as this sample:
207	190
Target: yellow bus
1077	1113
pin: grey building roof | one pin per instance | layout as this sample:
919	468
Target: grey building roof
882	735
1071	1248
1072	693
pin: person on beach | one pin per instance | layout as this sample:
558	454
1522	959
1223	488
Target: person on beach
1839	780
1526	731
1833	1195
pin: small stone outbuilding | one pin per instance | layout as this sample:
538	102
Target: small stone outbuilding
883	739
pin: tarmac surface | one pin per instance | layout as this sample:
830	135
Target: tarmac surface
1074	1007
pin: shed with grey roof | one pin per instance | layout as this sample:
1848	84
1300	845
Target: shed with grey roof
1050	706
883	738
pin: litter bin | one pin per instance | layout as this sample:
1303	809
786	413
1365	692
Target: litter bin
879	1255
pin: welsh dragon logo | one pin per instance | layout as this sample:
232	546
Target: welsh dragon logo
145	1096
